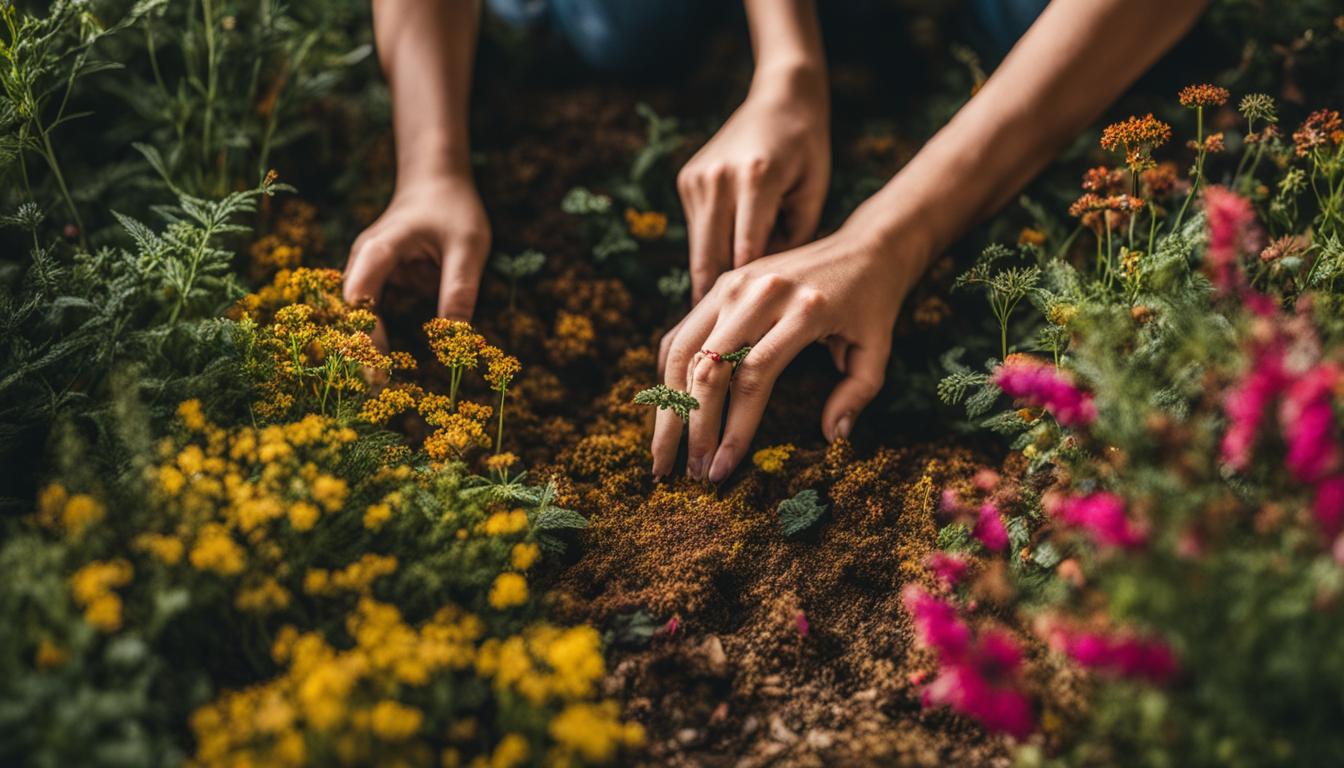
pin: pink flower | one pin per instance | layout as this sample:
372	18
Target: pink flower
800	623
947	568
1039	383
1328	506
950	502
977	674
1245	405
1308	419
1232	232
936	622
989	528
1123	655
1102	516
672	625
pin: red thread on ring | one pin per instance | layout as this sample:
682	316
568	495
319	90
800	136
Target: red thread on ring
715	356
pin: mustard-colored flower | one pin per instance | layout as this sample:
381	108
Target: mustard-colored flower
771	460
524	555
392	721
508	590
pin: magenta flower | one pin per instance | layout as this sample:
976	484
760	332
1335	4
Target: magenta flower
977	675
936	623
947	568
1245	405
1307	416
1039	383
801	624
1123	655
989	528
1328	506
1232	232
1102	515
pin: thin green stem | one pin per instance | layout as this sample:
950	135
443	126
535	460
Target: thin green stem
499	432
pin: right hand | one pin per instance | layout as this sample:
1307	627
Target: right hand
437	222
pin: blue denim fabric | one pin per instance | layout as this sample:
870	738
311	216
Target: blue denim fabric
624	35
615	35
1006	20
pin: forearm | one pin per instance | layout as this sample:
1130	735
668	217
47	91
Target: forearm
426	48
1075	60
785	42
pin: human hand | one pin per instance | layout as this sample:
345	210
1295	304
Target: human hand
758	185
433	223
845	290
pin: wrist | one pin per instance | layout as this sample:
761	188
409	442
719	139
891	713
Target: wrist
798	79
432	158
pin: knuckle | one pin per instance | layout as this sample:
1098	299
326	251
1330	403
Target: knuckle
811	301
704	377
686	180
731	283
771	284
757	168
748	382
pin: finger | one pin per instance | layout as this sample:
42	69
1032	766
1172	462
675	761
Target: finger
709	228
866	370
757	210
667	426
367	271
801	212
750	388
460	277
710	380
665	344
839	349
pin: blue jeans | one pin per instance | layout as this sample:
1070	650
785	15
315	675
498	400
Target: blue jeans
625	35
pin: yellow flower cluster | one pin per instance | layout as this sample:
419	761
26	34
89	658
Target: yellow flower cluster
391	402
92	586
545	663
357	577
508	591
454	342
345	701
57	509
771	460
646	225
573	338
591	732
294	233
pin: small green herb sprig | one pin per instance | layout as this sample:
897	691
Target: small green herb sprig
665	397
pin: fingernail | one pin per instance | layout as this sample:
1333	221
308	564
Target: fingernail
843	426
693	468
723	464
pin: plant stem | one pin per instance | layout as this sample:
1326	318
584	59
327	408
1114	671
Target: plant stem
499	433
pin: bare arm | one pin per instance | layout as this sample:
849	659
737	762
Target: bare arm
758	185
847	289
427	48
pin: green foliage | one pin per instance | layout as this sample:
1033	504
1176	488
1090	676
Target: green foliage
799	513
664	397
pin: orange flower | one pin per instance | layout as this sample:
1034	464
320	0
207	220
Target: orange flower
1137	137
1203	95
1103	180
1321	128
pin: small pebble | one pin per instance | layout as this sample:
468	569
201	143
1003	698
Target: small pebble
781	732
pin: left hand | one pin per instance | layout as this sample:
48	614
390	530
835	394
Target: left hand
845	290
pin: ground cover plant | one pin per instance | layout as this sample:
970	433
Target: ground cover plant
239	532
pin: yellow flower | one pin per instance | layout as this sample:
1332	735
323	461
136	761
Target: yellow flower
454	342
190	413
329	492
215	550
771	460
303	516
81	511
505	523
391	721
524	555
510	752
51	504
376	515
500	462
104	613
265	597
499	368
575	658
49	655
646	225
509	589
98	578
168	549
593	732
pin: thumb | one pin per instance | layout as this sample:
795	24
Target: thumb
865	371
460	279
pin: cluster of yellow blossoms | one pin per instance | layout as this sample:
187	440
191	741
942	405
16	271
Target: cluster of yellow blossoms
294	233
646	225
771	460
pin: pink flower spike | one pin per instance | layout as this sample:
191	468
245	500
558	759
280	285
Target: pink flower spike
1328	506
800	622
947	568
1124	655
1102	516
672	625
1232	232
1025	378
1246	403
1308	418
936	623
989	528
